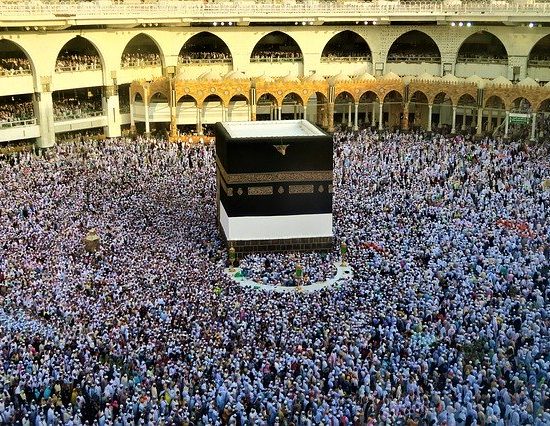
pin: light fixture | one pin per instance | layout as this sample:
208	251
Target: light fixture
469	24
303	22
452	24
230	23
222	24
460	24
215	24
531	24
373	22
310	22
366	22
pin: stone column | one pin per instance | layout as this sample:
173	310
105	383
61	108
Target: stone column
330	117
146	111
430	106
252	112
405	122
489	119
381	116
111	109
199	120
132	121
305	112
349	115
43	111
479	120
173	115
356	117
463	127
533	125
279	112
507	118
453	127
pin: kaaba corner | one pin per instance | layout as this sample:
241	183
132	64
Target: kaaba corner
274	185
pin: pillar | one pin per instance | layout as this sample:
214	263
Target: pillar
132	121
479	120
349	115
489	119
453	128
305	112
463	127
507	118
381	116
430	106
279	112
356	117
373	117
533	125
252	112
499	118
405	121
43	110
111	110
146	109
173	114
331	116
199	120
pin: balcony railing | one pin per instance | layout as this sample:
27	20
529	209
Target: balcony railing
327	59
481	60
272	59
414	59
543	63
141	63
15	72
78	67
252	10
8	124
77	115
197	61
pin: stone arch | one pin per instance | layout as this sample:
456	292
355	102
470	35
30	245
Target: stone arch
392	109
414	46
521	104
343	108
368	107
540	52
238	108
292	106
78	46
466	109
484	47
212	109
137	97
158	97
544	105
204	46
141	45
278	45
495	108
418	109
9	49
348	44
266	107
186	98
442	111
317	109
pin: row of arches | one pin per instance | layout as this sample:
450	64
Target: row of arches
519	104
142	49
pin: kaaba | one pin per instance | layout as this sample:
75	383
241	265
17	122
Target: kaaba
274	185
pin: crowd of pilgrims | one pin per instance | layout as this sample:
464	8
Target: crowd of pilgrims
445	321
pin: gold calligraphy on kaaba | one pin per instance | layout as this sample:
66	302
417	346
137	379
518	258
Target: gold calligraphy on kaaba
300	189
270	177
260	190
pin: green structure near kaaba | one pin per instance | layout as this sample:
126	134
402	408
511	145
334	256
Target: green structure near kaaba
274	185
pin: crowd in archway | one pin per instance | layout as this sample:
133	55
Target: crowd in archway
14	66
15	112
445	322
138	59
77	62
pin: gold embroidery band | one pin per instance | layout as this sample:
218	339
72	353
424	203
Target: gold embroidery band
228	191
260	190
300	189
251	178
